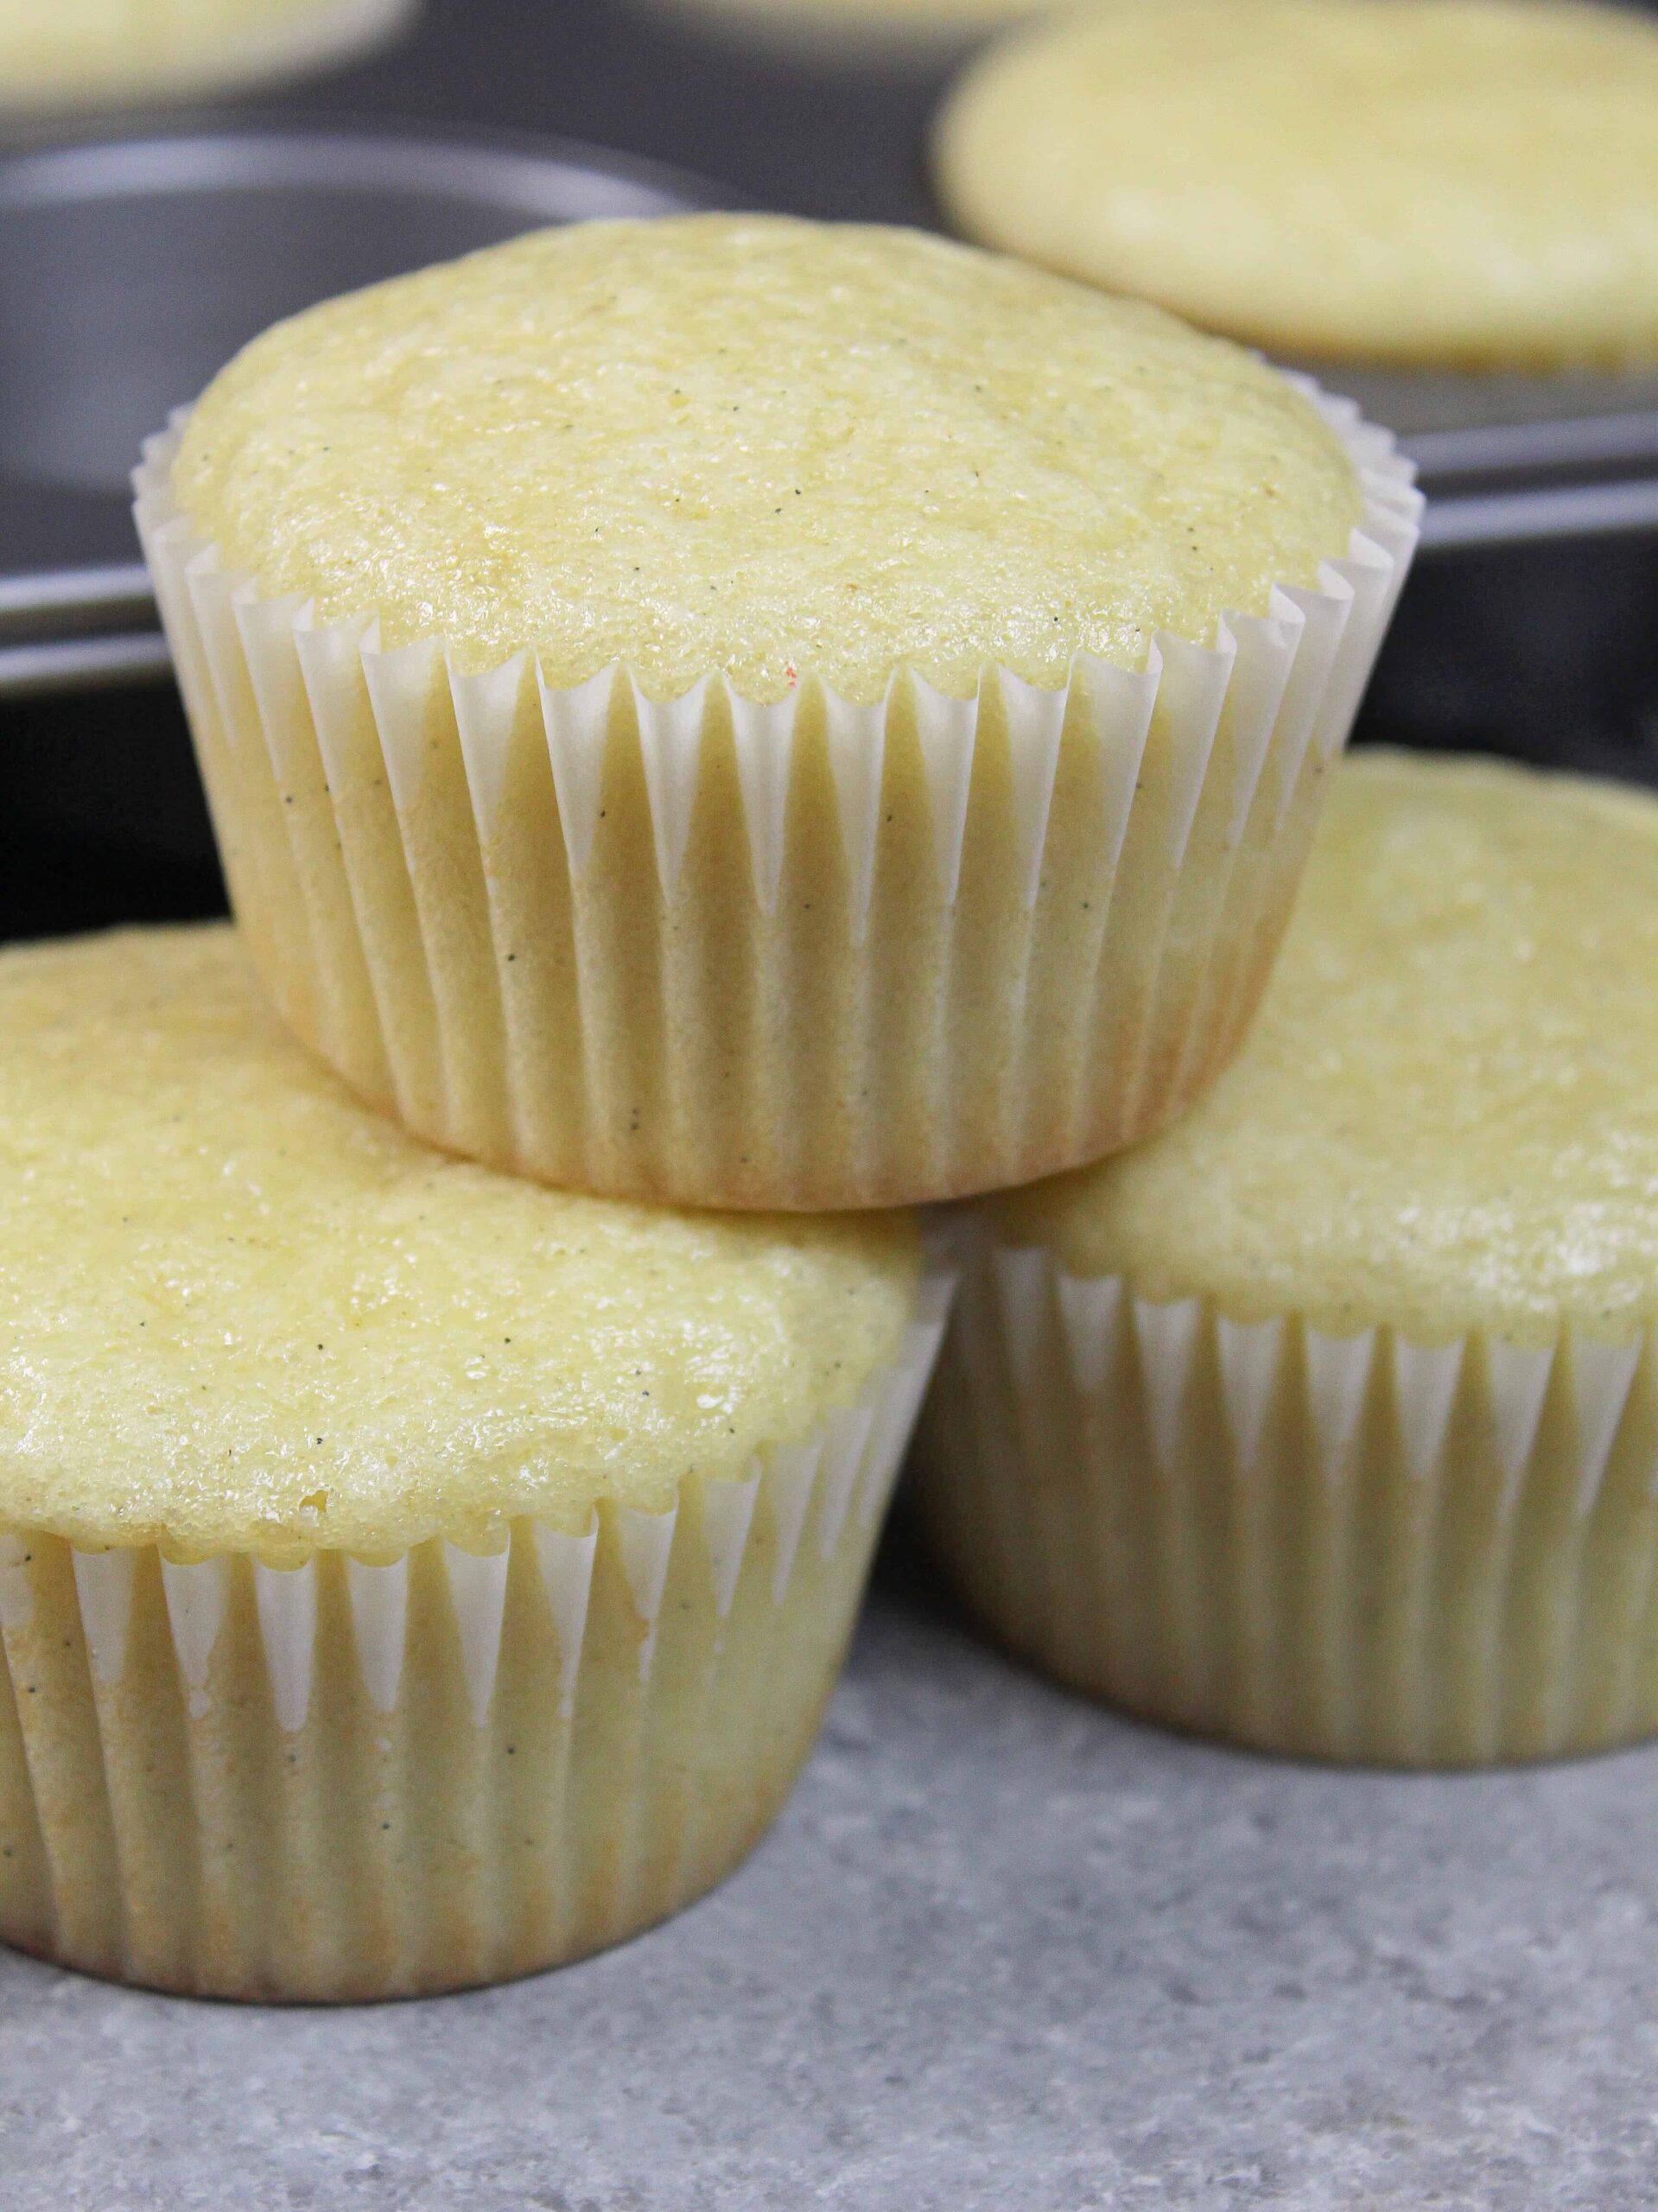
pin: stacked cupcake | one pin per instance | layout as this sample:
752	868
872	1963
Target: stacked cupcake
717	714
1326	1420
412	1577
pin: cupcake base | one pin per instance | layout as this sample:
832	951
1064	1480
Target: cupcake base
1352	1548
349	1779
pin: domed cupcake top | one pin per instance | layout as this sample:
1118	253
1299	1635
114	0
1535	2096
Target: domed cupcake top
239	1311
56	53
768	447
1446	1118
1455	182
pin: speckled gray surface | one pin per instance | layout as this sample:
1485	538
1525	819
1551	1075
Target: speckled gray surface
1003	1951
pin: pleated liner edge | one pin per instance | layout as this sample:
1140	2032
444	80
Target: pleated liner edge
346	1779
1357	1547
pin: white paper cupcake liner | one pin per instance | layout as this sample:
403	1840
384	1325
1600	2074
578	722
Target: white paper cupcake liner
1352	1547
809	955
355	1780
323	35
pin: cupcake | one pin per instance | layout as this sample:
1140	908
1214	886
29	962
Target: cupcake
1450	184
1327	1420
58	55
740	711
408	1578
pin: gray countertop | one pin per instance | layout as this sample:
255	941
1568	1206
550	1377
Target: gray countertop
1003	1950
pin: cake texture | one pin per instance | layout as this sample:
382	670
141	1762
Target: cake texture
1460	184
58	54
1326	1420
408	1577
744	711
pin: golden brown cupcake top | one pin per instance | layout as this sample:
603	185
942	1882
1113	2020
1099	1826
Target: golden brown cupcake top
1446	1118
240	1311
1461	182
766	447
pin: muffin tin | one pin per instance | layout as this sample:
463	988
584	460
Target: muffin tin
166	255
1513	460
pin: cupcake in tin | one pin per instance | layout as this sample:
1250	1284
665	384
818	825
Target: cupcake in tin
58	56
408	1577
1326	1420
753	713
1425	184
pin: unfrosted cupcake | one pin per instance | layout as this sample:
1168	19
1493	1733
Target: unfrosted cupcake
749	712
1427	183
63	54
1327	1420
408	1578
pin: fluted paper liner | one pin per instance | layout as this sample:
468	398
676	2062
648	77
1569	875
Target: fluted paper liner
1354	1547
355	1779
808	955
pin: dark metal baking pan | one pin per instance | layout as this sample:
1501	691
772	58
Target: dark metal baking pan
1531	610
1528	626
131	271
1511	461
